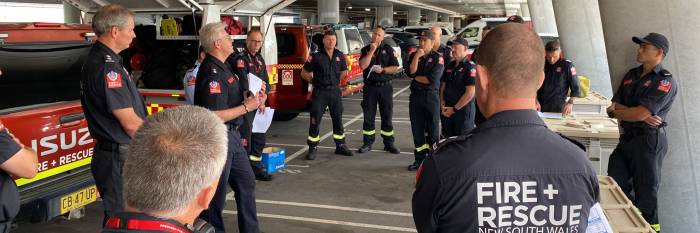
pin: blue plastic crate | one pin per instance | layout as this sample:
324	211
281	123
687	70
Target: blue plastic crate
273	159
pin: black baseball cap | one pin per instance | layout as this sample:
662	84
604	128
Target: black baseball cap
428	34
515	19
461	41
655	39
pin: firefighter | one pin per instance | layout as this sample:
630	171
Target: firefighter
559	80
641	104
379	64
444	50
426	68
324	70
510	165
457	92
113	107
15	160
250	61
172	172
191	77
218	89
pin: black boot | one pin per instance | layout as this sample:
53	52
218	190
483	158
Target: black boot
342	149
391	148
414	166
311	155
366	147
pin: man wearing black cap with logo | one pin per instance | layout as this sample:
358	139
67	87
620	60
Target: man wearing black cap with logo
641	104
379	63
457	92
559	79
425	68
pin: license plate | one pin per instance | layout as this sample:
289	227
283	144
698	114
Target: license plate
78	199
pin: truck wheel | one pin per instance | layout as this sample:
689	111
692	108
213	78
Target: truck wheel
285	116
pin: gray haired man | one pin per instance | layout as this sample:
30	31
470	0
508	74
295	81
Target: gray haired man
113	107
172	172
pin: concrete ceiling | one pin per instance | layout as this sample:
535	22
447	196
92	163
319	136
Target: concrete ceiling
459	7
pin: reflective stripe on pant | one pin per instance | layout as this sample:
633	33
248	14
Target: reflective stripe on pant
106	167
424	111
371	97
320	99
635	164
460	123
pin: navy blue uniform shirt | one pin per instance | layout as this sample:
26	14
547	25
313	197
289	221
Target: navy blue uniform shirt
656	91
217	87
559	78
383	56
457	77
9	196
107	86
432	66
511	174
326	69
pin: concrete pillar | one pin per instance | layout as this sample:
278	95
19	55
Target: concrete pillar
413	16
385	16
343	18
432	16
524	10
542	15
71	14
679	194
444	18
457	22
581	35
328	11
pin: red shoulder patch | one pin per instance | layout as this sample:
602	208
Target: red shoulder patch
337	59
214	87
441	61
627	82
665	86
573	70
191	80
1	126
472	73
240	63
231	79
113	79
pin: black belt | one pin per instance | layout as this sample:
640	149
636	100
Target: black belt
379	83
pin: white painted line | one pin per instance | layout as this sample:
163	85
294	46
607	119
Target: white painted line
357	117
332	207
294	165
334	222
327	147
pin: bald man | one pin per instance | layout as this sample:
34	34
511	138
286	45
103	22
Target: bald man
511	173
444	50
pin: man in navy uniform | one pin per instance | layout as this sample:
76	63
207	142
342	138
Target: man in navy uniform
457	92
218	89
379	64
511	173
560	81
16	160
324	70
425	68
113	107
250	61
641	104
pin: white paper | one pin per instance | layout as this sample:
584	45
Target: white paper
597	222
371	70
254	84
551	115
262	121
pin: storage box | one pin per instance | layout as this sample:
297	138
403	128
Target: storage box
593	103
620	212
273	159
599	134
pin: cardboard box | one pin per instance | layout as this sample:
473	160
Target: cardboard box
273	159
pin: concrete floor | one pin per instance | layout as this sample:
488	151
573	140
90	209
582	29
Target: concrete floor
366	193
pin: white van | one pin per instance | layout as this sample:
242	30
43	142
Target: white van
473	31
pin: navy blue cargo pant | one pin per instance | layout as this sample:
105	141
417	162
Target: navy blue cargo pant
635	164
424	112
373	95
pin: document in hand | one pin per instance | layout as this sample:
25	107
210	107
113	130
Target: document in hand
262	120
254	83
